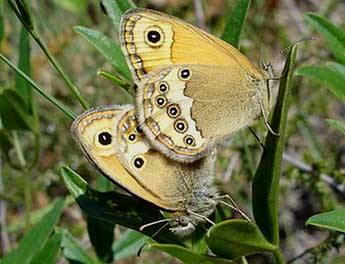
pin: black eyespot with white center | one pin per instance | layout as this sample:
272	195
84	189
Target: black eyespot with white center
163	87
104	138
138	162
173	111
154	36
185	74
161	101
181	126
132	137
189	140
139	130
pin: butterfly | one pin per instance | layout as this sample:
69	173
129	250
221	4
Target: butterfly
193	88
114	143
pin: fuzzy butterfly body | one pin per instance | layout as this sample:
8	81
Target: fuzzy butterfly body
193	88
111	140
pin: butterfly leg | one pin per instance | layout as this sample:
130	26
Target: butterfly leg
267	124
232	205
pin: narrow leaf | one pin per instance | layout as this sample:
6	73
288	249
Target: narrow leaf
236	238
128	245
101	236
188	256
73	251
108	49
2	24
337	124
116	208
334	36
116	8
332	76
35	239
49	252
266	180
233	28
333	220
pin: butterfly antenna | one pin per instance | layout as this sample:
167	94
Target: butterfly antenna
154	234
154	223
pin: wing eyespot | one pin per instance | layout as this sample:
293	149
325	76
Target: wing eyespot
173	111
154	36
189	140
138	163
104	138
184	74
163	87
161	101
181	126
132	137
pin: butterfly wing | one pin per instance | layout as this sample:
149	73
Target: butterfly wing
152	40
171	182
185	109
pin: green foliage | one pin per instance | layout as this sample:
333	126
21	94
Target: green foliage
236	238
333	220
37	236
128	244
115	9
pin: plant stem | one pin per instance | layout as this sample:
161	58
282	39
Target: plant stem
50	98
278	256
27	178
74	90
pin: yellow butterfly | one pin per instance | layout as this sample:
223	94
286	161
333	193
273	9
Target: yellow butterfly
112	141
193	88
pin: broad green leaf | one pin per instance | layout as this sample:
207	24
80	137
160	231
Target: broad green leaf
333	220
188	256
338	125
73	251
233	28
22	87
334	36
116	8
75	6
35	239
101	236
116	208
111	51
236	238
49	252
266	180
128	245
332	76
13	112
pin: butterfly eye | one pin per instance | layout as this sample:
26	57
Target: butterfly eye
132	137
154	36
163	87
139	130
160	101
184	74
189	140
104	138
173	111
181	126
138	162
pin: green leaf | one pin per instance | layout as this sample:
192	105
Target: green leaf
108	49
22	87
6	142
334	36
73	251
333	220
34	240
236	238
13	112
332	76
2	24
233	28
128	245
338	125
116	208
116	8
49	252
186	255
101	236
266	180
74	6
